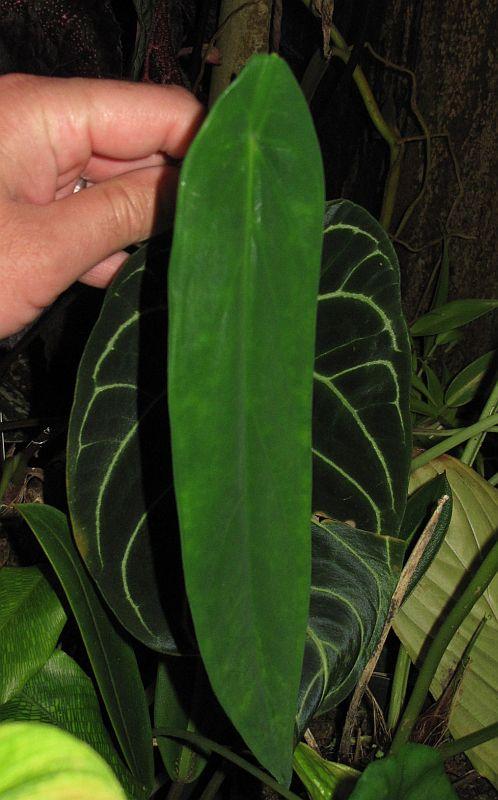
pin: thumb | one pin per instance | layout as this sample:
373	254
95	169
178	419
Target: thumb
64	240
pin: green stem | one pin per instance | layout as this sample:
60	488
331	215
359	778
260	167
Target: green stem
175	791
452	441
214	784
209	745
450	749
398	690
494	479
473	445
389	135
477	585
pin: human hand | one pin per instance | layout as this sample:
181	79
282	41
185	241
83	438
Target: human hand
53	131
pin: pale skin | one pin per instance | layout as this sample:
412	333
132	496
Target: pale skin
121	138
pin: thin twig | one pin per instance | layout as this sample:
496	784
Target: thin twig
311	741
423	126
396	602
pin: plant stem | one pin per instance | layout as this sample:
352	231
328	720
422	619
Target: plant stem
494	479
452	441
175	790
473	445
478	583
214	784
398	689
389	135
450	749
209	745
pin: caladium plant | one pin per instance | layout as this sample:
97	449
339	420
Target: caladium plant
215	410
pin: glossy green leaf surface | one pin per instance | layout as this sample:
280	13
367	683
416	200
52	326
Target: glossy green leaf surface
40	762
31	620
242	295
415	773
61	694
112	659
452	315
472	530
464	386
119	469
354	576
361	426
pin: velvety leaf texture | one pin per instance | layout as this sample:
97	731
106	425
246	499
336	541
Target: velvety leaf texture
361	424
242	295
119	470
354	576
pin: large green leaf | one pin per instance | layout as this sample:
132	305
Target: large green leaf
31	620
415	773
40	762
119	470
242	290
354	576
361	427
61	694
472	529
112	658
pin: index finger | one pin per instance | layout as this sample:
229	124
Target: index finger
108	118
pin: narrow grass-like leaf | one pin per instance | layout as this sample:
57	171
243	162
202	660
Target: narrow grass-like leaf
120	490
464	386
31	621
452	315
361	426
354	576
61	694
419	508
242	291
40	762
112	658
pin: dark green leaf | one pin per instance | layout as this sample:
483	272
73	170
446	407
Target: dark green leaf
361	427
119	468
31	620
61	694
415	773
354	576
464	387
243	283
182	700
452	315
418	510
434	386
112	659
42	762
